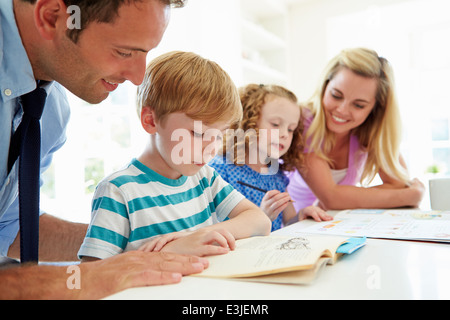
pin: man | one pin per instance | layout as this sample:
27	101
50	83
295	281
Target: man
109	48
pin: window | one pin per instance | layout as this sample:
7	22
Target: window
100	140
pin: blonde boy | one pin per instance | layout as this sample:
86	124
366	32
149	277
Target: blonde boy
168	199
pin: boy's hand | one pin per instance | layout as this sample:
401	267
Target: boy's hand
156	244
204	242
314	212
274	202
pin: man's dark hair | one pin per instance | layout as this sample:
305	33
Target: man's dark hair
102	11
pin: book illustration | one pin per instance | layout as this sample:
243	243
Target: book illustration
295	244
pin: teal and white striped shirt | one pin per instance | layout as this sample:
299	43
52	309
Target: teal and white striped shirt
135	204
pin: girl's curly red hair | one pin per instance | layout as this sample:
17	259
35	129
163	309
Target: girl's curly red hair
253	97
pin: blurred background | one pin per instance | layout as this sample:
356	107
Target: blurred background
285	42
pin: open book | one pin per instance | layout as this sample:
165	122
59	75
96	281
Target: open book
280	259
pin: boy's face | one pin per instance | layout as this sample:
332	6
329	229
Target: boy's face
185	145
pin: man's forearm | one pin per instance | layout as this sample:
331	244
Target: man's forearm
36	282
59	240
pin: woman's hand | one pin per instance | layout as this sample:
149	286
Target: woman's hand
417	190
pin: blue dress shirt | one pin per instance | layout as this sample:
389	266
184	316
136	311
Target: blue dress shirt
16	79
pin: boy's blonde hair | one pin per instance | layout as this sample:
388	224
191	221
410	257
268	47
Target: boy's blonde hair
380	134
185	82
253	98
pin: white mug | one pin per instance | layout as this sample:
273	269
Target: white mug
440	193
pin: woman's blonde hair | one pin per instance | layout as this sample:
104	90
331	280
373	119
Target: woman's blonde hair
380	134
253	97
185	82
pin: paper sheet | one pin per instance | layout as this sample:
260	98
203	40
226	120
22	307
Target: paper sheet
388	224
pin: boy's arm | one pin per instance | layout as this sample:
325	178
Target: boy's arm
109	229
246	220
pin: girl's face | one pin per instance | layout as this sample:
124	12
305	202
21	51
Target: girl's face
348	100
278	120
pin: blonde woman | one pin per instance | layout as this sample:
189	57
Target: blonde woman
353	130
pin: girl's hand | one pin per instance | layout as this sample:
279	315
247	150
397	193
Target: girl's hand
274	202
314	212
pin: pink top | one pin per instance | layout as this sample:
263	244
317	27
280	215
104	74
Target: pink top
302	194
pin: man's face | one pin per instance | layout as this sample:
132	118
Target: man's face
108	54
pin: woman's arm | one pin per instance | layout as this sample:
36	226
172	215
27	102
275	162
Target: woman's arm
317	175
389	182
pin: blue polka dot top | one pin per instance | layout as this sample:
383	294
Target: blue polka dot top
233	173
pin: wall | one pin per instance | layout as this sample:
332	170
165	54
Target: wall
308	37
209	28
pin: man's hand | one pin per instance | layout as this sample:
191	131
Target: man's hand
135	269
99	278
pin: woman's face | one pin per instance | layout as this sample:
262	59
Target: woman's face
348	100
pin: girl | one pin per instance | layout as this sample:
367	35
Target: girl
353	129
269	127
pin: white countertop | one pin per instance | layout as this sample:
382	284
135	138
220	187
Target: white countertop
382	269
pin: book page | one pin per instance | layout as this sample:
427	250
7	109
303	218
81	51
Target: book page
272	254
293	277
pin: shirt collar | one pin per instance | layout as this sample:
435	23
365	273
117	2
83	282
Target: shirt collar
15	68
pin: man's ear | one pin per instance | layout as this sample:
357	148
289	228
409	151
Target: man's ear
148	119
50	16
